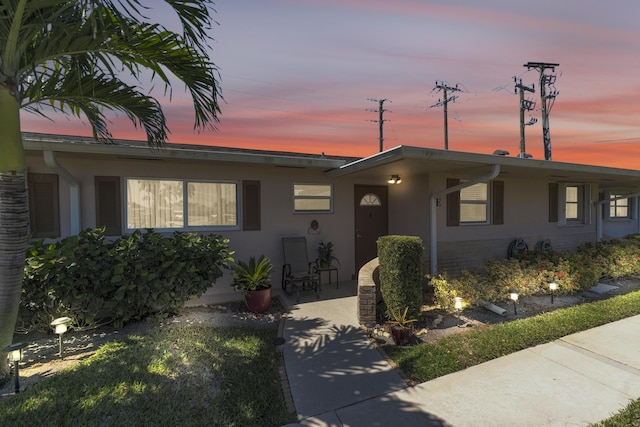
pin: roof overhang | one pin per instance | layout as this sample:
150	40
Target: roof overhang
407	161
140	150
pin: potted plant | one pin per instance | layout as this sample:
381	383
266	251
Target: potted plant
253	278
401	327
326	256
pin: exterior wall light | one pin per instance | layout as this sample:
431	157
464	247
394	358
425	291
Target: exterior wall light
395	179
14	352
514	296
553	286
60	327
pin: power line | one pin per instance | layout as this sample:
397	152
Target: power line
442	86
380	120
525	105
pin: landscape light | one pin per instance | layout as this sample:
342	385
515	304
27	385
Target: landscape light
457	302
14	352
514	296
553	286
60	327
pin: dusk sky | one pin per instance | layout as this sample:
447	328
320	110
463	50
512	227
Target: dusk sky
296	76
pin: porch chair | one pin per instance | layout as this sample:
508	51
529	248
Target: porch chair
298	273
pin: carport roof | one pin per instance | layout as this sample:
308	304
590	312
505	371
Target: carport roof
407	161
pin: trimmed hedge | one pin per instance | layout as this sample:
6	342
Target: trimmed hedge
138	275
400	274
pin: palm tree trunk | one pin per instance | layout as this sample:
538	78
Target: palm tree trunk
13	245
14	218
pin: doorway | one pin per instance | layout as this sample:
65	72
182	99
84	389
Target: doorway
371	221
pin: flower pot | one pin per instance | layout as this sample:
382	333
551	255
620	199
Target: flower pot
402	336
258	301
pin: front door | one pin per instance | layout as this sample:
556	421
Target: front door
371	221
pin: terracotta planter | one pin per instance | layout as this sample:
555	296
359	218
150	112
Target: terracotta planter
402	336
258	301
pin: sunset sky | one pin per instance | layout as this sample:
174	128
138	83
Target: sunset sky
296	76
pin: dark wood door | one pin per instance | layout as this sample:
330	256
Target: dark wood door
371	221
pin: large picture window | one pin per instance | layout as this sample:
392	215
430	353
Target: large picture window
181	204
309	198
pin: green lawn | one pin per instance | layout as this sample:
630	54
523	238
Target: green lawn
628	417
183	376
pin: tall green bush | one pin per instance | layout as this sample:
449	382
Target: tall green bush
400	274
137	275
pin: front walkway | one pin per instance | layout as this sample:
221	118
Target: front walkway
338	378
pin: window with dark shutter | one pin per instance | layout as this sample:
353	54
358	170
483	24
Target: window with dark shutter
251	205
553	202
44	213
497	203
453	204
108	204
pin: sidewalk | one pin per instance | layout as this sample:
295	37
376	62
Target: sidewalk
338	378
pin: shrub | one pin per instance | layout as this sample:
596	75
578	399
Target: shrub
135	276
400	274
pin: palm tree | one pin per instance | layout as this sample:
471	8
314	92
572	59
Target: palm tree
67	56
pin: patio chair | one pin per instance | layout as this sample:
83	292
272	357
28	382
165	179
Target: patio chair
298	273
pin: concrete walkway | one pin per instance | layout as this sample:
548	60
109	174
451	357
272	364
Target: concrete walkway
338	378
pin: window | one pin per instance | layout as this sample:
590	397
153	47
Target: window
474	203
481	203
309	198
178	204
44	216
370	199
569	203
619	208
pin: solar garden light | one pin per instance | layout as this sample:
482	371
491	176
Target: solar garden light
514	296
15	355
553	286
60	326
457	302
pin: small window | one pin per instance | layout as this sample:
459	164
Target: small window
474	204
574	202
178	204
619	208
309	198
370	199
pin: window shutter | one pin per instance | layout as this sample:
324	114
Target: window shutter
453	204
497	203
108	204
44	213
251	205
553	202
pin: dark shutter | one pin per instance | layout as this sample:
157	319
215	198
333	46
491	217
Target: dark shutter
553	202
44	213
108	203
453	204
497	203
251	205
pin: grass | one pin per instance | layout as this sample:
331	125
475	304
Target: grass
627	417
187	376
452	353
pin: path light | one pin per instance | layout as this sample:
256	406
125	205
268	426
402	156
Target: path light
553	286
457	302
514	296
15	355
60	326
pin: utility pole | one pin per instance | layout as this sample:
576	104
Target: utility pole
380	120
525	105
442	86
546	80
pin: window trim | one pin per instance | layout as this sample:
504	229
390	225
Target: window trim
312	211
185	204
